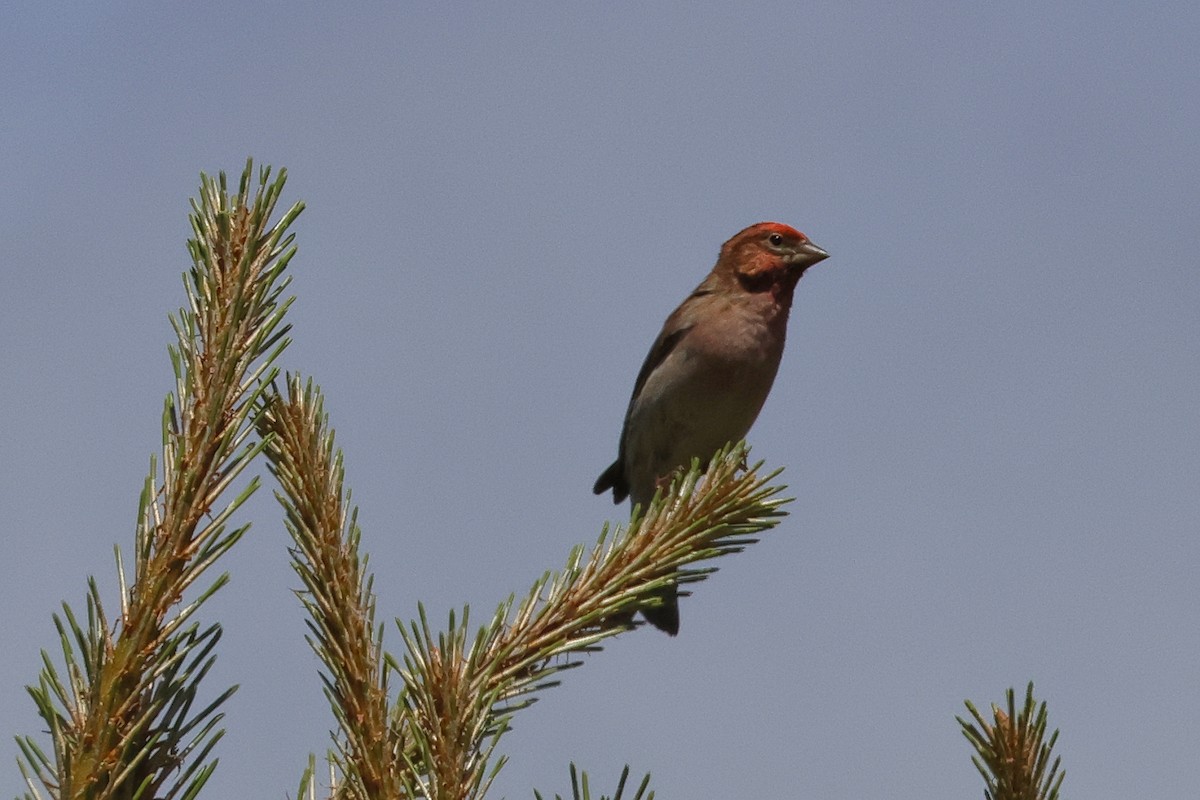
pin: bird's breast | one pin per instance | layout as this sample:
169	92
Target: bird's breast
708	391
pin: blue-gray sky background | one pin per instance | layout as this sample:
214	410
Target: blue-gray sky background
987	411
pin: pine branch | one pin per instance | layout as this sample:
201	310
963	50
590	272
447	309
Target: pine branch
337	593
461	694
1012	754
121	717
580	790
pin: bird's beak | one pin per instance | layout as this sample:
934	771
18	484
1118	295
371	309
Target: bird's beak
806	255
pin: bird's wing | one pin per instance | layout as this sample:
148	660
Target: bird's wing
668	339
666	342
614	477
663	346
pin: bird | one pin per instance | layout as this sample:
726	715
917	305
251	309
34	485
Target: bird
708	373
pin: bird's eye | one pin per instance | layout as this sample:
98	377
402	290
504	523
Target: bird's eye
775	239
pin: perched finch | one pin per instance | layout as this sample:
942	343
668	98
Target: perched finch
709	371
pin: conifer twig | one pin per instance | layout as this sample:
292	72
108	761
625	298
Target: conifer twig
461	692
122	716
1012	753
371	758
580	790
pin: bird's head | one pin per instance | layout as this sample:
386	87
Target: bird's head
769	254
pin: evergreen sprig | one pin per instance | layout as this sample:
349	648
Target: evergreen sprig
1012	753
122	714
461	693
581	790
372	752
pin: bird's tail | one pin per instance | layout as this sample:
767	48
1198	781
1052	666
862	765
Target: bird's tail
613	478
664	615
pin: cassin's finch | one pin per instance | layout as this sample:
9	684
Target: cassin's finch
709	371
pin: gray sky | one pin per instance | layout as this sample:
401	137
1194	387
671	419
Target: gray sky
987	410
